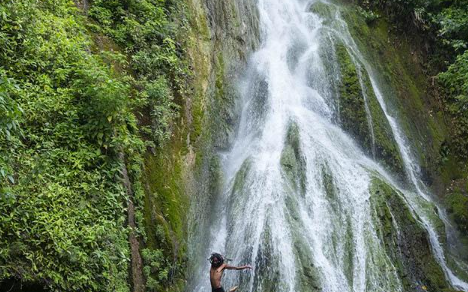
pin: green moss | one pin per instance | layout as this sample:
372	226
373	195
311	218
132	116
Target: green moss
267	276
292	162
458	210
241	176
324	10
404	84
352	108
165	206
308	273
355	90
406	241
221	107
198	24
452	169
199	54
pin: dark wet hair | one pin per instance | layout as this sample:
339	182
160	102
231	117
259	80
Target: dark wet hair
219	260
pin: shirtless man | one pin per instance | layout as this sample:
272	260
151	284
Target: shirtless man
217	269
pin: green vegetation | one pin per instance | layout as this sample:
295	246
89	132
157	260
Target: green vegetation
458	209
143	30
164	214
356	94
437	37
455	82
158	268
443	27
406	241
147	31
62	204
292	162
77	90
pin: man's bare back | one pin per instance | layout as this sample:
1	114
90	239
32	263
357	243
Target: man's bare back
217	270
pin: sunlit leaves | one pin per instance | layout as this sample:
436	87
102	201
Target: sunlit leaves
11	113
61	202
453	22
68	105
455	82
444	26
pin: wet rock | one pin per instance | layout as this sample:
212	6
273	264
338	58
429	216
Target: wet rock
292	161
362	116
406	241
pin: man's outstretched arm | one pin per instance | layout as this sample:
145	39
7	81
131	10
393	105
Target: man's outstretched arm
238	268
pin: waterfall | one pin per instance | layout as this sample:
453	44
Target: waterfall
304	201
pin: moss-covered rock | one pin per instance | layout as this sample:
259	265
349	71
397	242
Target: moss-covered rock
222	34
165	202
407	88
172	169
324	10
352	104
458	209
267	276
292	161
406	241
361	114
307	273
240	190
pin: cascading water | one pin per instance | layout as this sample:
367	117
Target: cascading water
300	201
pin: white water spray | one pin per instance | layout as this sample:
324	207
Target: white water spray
296	201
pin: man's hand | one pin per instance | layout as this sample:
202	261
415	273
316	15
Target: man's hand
244	267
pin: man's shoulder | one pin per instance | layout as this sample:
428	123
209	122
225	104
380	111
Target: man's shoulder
218	269
221	268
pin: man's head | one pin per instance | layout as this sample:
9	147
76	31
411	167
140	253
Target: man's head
216	260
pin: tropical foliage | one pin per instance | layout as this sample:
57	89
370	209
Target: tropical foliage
72	87
444	25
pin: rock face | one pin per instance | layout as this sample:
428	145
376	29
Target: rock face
361	114
223	34
182	181
404	80
406	241
233	33
292	160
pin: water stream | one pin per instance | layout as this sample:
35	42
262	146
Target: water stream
297	197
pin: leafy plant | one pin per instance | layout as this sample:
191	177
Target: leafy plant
9	128
369	15
162	109
71	86
455	82
453	27
67	113
458	209
444	26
